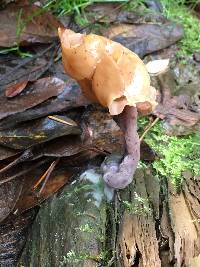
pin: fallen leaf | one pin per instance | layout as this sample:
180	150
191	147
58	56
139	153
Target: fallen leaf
146	152
71	97
63	147
15	69
144	38
35	94
15	89
29	198
13	234
36	26
114	13
97	126
6	152
156	67
9	194
35	132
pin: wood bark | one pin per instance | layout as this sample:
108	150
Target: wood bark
146	225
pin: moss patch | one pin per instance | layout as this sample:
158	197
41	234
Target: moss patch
176	154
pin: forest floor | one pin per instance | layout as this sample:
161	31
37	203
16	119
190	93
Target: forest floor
55	209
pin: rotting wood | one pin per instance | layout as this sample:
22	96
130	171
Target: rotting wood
69	229
137	237
185	225
169	236
147	225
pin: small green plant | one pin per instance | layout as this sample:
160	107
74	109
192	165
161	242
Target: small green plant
21	25
86	228
73	257
64	7
76	7
139	206
16	48
134	5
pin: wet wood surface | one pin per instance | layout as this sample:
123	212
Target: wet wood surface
146	225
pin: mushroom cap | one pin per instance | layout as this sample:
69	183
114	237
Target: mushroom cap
107	72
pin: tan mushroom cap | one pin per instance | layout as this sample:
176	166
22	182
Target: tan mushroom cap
107	72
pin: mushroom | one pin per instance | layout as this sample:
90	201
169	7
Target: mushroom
117	78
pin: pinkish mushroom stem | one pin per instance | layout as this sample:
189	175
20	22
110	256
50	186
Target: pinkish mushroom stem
119	175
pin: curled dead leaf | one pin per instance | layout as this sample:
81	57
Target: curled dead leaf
15	89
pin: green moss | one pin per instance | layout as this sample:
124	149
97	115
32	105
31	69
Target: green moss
139	206
182	14
86	228
73	257
176	154
134	5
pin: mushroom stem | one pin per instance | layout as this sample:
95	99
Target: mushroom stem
119	175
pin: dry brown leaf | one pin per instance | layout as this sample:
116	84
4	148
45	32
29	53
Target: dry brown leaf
36	93
15	89
35	26
145	38
29	197
9	194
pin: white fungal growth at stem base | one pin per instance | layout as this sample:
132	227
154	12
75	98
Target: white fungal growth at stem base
95	179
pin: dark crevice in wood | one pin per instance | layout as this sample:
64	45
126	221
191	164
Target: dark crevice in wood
128	255
111	232
164	247
138	256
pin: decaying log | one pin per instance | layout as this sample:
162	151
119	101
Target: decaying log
146	225
137	238
172	239
69	228
185	215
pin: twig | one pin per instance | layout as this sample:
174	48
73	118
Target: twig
23	171
10	165
44	67
46	176
41	178
96	149
62	121
148	128
90	215
52	167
